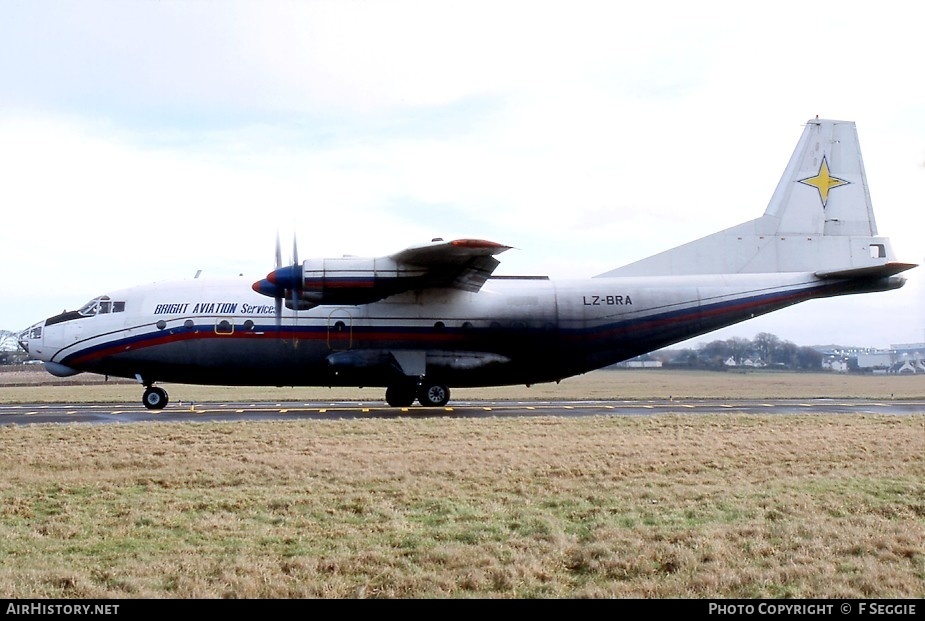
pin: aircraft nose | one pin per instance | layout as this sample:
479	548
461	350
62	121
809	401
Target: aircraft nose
23	340
32	332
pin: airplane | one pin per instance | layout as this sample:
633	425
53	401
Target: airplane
434	316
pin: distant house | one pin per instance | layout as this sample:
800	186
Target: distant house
748	362
907	367
836	364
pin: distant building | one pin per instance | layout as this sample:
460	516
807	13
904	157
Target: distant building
640	364
907	367
838	364
904	359
874	360
748	362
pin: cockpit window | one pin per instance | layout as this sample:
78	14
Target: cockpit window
89	308
101	306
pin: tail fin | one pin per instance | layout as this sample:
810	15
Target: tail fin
819	220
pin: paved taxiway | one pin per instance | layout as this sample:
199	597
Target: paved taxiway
35	413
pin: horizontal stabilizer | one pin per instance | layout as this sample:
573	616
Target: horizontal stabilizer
876	271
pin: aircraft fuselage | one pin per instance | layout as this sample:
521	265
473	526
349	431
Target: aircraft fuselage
512	331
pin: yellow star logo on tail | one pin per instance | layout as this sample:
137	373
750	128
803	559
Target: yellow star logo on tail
823	181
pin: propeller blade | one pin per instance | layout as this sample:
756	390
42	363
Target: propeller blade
278	298
279	253
295	267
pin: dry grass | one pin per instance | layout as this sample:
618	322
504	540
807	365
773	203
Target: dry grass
674	505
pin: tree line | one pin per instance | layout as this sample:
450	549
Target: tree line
765	350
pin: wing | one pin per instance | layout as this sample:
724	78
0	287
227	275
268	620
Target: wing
460	264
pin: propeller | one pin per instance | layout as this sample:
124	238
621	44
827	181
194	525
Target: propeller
282	281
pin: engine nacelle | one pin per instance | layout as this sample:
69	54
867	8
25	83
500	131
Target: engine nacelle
462	264
345	280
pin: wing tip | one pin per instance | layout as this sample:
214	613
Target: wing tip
480	244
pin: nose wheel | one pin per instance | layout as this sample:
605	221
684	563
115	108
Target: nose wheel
154	398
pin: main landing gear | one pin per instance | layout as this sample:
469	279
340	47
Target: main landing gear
154	398
428	394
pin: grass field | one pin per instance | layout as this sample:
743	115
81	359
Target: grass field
674	505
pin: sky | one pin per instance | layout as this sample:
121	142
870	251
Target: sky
144	141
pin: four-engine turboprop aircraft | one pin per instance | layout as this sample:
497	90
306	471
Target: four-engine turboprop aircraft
432	316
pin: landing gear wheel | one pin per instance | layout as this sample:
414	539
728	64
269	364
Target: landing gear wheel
433	395
154	398
400	395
